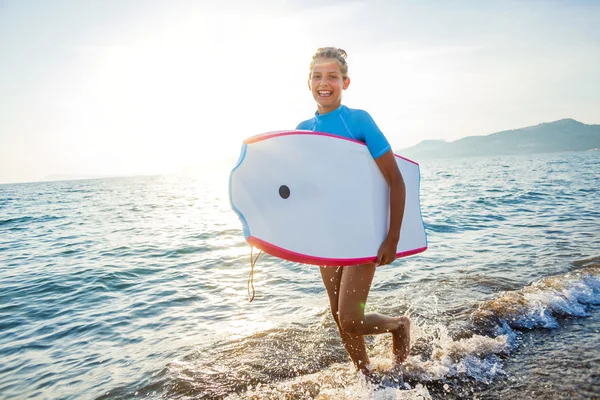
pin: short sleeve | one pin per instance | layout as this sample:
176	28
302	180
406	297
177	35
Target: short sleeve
304	125
375	140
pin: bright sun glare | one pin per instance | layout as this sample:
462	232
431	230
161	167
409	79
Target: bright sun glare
178	97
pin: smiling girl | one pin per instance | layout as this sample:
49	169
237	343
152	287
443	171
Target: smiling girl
348	287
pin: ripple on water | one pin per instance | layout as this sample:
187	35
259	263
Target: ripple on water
138	284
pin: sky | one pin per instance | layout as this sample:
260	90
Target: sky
120	87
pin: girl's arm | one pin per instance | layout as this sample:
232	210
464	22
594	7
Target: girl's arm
388	166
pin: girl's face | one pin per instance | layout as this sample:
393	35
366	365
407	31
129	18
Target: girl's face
326	84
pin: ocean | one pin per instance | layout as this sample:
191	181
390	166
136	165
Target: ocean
136	288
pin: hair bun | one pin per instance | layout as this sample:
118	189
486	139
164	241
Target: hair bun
332	53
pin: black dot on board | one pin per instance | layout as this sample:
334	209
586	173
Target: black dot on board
284	191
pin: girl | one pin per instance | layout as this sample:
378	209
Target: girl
348	287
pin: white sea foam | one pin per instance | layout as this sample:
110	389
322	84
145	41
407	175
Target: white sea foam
339	382
475	357
542	303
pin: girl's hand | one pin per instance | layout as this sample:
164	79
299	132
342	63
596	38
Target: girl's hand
387	252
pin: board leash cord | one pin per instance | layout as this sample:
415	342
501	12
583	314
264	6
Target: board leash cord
253	261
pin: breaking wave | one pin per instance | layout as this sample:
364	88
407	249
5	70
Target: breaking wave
542	303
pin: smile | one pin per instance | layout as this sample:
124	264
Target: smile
325	93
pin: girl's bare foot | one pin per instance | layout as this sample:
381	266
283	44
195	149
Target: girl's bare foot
365	368
401	341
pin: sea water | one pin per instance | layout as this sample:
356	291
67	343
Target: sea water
137	288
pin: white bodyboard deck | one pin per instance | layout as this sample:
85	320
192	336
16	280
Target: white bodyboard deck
320	199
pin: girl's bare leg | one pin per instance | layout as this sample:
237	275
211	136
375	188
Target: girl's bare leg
348	288
354	344
354	289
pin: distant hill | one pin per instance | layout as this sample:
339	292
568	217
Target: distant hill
562	135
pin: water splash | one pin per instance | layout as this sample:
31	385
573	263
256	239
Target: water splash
439	356
442	362
339	381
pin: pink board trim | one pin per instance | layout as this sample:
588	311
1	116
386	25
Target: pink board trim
269	135
279	252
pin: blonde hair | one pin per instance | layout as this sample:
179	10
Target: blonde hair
331	53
